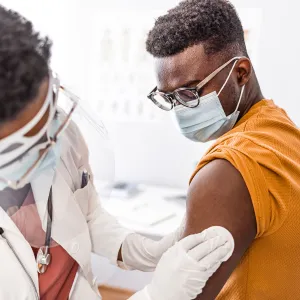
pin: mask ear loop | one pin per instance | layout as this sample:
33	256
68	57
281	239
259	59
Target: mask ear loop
242	91
241	95
227	78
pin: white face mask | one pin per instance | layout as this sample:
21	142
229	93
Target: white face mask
208	120
17	169
19	152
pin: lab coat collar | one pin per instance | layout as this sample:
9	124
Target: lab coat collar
18	244
41	187
6	223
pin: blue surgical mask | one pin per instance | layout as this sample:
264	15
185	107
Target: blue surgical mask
20	167
207	121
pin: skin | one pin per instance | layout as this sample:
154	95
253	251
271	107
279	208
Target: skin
218	195
27	114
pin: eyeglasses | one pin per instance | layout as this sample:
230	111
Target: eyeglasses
188	97
64	103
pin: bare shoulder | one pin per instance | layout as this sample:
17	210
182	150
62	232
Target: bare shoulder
219	196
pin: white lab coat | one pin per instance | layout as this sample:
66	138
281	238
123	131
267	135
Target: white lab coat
80	226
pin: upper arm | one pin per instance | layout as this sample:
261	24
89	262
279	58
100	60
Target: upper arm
218	196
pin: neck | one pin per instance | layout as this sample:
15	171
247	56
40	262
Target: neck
253	96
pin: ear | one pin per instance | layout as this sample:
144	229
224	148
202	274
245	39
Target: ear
244	70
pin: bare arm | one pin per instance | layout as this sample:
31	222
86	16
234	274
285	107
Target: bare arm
218	196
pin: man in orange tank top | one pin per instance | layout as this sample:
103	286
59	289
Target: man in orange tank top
248	181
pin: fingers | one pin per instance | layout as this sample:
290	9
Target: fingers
194	240
226	234
216	257
204	249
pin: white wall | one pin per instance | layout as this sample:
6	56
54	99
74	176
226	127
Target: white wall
279	48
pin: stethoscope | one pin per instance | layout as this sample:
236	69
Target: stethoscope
43	257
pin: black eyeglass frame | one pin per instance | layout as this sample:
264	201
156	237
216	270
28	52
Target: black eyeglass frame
174	96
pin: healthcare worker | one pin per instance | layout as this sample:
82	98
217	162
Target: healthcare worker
51	219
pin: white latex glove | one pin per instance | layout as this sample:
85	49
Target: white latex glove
141	253
185	268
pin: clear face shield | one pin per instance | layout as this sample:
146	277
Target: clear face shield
72	130
21	154
62	107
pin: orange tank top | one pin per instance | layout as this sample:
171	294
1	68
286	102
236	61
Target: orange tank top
265	147
56	283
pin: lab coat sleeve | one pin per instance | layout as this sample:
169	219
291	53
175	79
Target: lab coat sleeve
107	235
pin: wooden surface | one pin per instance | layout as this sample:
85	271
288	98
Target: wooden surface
112	293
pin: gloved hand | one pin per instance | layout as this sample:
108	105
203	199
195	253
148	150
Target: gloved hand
141	253
185	268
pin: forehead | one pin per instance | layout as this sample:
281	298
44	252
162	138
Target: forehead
190	65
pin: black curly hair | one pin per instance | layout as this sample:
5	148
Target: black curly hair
24	58
213	23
